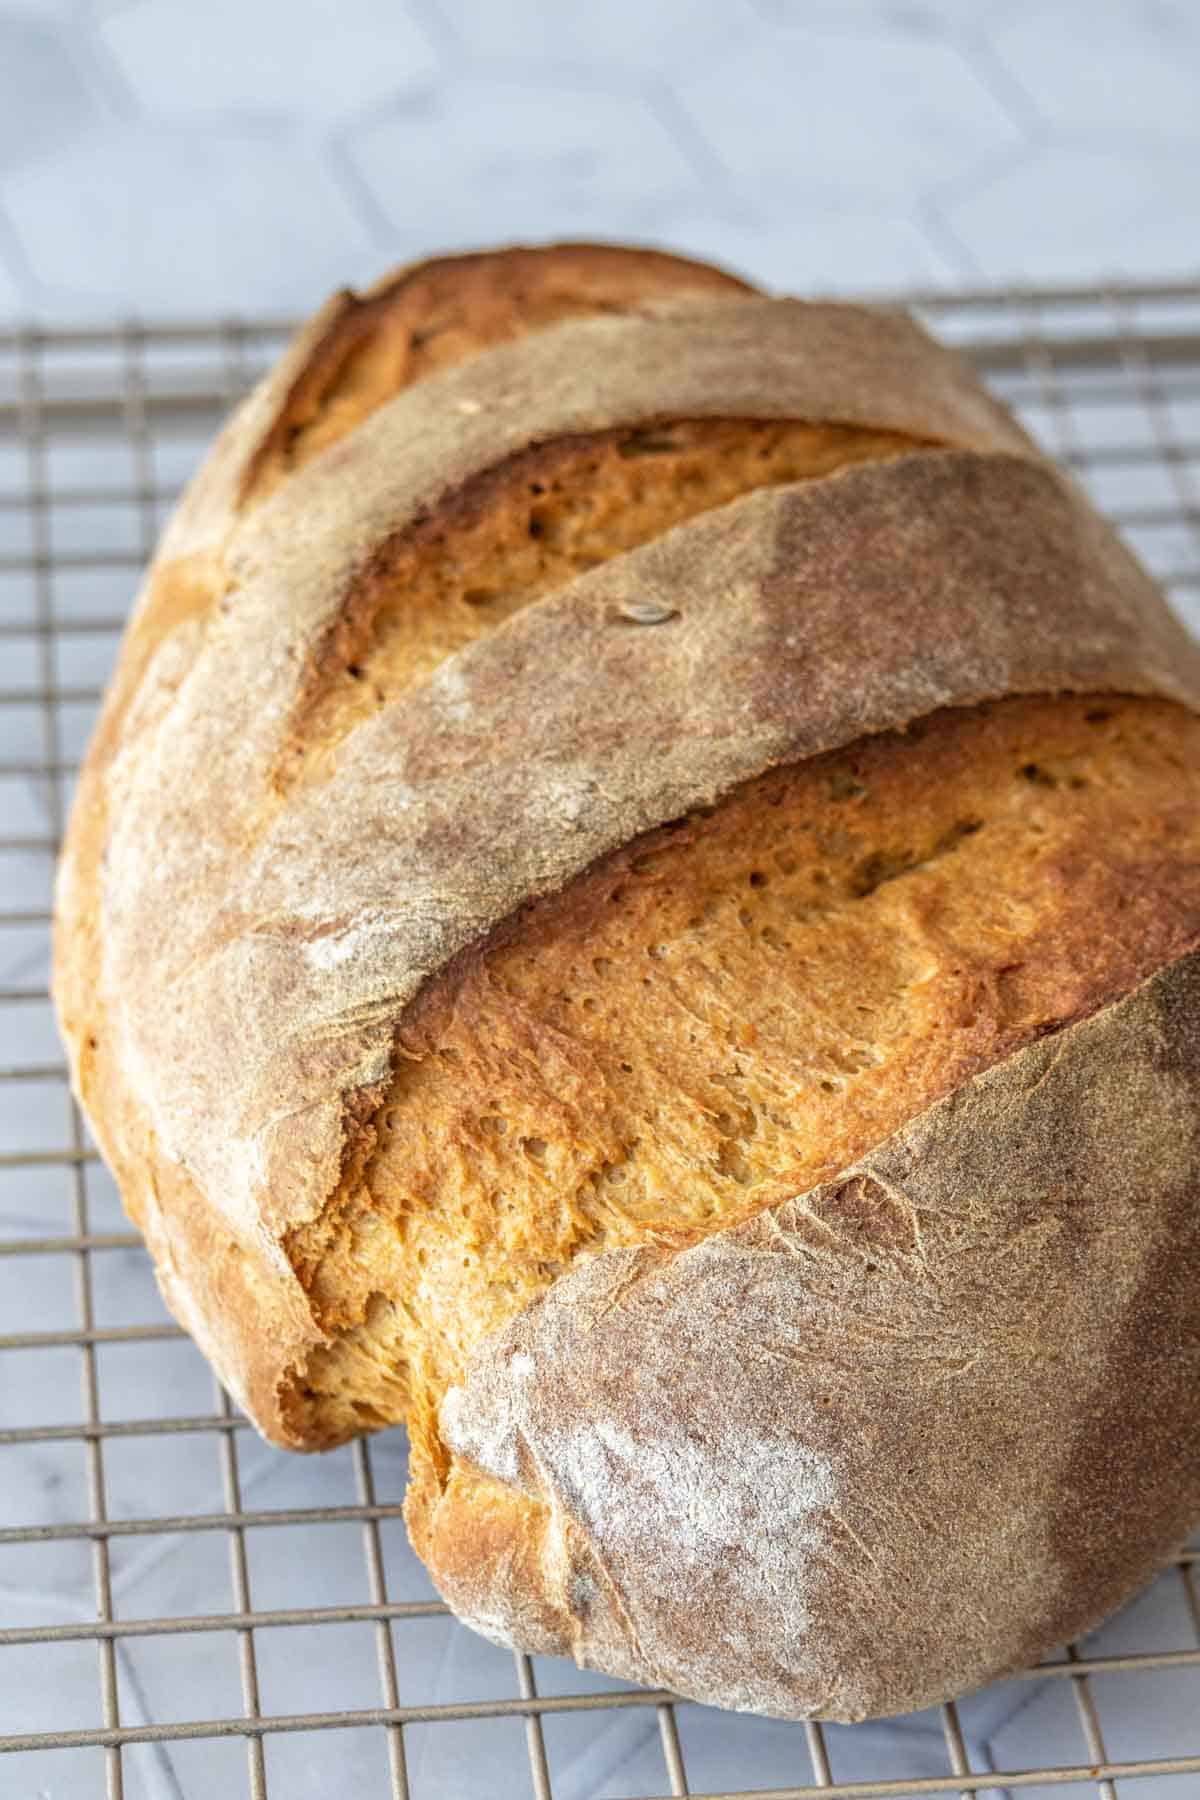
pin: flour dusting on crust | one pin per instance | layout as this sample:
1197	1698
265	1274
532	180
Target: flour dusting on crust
739	1452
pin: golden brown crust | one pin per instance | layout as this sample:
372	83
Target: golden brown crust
196	806
261	876
527	527
170	620
431	316
290	955
506	292
930	1418
731	1009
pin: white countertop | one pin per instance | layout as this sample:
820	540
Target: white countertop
162	157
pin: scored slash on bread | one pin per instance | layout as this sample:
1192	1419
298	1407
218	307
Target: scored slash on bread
633	904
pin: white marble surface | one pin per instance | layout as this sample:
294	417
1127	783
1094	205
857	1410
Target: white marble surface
185	159
159	156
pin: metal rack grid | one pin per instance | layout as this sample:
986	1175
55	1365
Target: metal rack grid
186	1612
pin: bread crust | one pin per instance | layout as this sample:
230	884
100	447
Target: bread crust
243	916
290	956
886	1441
736	1006
431	315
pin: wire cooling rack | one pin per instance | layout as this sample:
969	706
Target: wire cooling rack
186	1613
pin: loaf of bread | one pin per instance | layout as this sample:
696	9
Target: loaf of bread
634	905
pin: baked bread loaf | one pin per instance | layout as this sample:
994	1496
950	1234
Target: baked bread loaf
634	904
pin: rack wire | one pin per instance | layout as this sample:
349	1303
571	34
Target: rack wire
186	1612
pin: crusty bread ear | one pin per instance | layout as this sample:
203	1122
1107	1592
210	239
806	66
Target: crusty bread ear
363	350
602	753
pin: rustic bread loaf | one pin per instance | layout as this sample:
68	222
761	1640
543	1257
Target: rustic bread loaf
635	904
